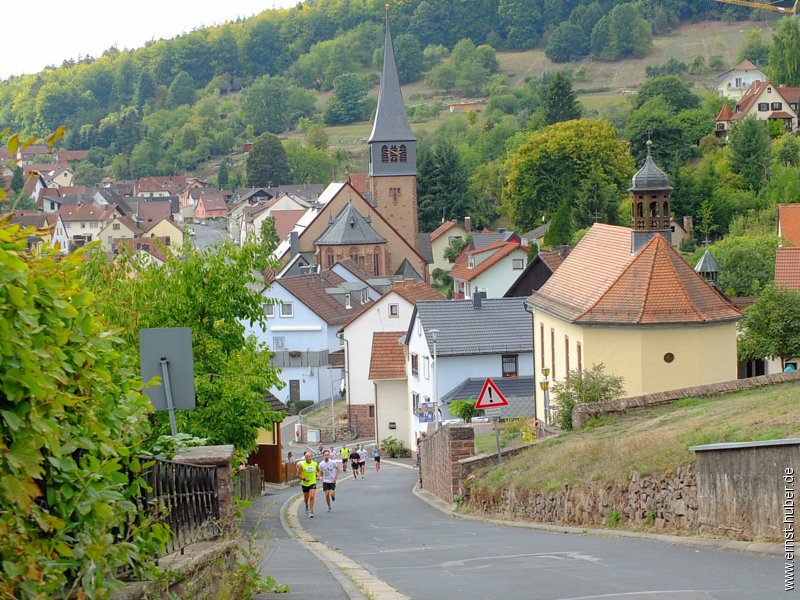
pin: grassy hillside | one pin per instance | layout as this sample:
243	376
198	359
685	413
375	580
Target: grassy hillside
649	441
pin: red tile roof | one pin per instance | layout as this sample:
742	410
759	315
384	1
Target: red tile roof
442	229
552	259
780	114
86	212
789	223
213	202
150	214
725	113
387	361
749	97
787	268
285	220
659	286
500	251
746	65
360	182
311	290
413	291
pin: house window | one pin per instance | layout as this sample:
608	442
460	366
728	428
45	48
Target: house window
426	367
371	410
347	301
739	82
354	254
278	343
777	106
287	309
403	153
452	238
467	290
394	311
67	225
471	263
384	153
269	310
110	240
414	402
517	264
376	263
415	365
83	225
115	227
510	365
329	257
763	106
52	206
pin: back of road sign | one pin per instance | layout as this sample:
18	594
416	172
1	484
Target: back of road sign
490	396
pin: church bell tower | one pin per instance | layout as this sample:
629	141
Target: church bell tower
393	152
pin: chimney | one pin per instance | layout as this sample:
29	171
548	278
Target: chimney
501	230
477	297
468	224
563	251
294	244
688	223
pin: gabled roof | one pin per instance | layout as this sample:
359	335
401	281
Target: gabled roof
149	214
413	291
787	268
707	264
391	121
745	65
33	218
424	247
487	238
352	266
285	220
498	250
725	113
387	360
212	202
789	223
86	212
500	325
656	287
349	228
510	387
407	271
442	229
312	290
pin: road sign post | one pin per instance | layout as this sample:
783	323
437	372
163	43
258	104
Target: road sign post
490	400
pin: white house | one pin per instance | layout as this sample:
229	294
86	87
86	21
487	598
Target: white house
733	82
377	396
450	342
493	269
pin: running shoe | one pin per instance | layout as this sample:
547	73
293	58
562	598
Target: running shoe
311	515
329	510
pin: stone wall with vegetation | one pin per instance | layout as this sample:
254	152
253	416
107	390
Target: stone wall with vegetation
582	412
440	453
665	501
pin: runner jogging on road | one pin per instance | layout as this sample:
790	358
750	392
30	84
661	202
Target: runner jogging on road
345	457
307	471
362	460
376	457
354	458
330	472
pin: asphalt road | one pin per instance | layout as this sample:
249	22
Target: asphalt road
426	554
207	235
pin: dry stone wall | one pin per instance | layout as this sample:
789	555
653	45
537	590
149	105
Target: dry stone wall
665	501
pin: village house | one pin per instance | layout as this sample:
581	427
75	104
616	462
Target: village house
734	82
492	269
764	101
441	238
50	230
84	221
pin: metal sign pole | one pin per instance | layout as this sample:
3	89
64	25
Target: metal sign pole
168	392
496	421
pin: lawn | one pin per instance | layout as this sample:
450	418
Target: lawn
650	441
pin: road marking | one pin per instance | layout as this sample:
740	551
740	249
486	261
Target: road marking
499	559
634	594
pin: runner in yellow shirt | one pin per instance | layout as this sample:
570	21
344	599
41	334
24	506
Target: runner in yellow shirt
307	470
345	457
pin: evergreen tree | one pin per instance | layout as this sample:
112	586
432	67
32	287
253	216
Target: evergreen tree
181	91
784	57
749	143
560	231
18	180
222	175
442	185
145	88
266	163
559	100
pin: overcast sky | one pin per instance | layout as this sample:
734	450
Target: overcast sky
49	32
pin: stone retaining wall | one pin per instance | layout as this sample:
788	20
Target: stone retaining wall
666	501
440	453
582	412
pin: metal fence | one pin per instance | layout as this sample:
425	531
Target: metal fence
247	483
184	497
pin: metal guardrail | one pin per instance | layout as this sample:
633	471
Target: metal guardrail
184	497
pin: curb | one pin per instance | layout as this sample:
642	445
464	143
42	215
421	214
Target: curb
356	581
771	549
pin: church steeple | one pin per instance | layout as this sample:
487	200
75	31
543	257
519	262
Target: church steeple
393	152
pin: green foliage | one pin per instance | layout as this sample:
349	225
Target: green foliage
749	143
17	180
523	427
747	262
559	101
467	71
317	137
772	326
622	32
442	183
672	67
464	409
394	448
456	247
408	57
755	49
593	385
675	93
614	518
560	231
267	163
74	419
432	55
716	62
655	118
85	173
560	162
349	101
784	57
181	90
566	43
216	293
309	164
223	175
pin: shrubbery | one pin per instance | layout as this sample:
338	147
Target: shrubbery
394	448
587	386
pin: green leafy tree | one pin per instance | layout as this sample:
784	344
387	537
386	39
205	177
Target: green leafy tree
309	164
755	49
317	137
749	144
747	262
566	43
408	56
523	25
264	105
560	231
145	88
456	247
675	93
17	180
267	163
772	326
784	57
349	102
558	162
657	120
74	421
442	184
223	175
464	409
485	191
559	100
86	173
594	385
622	32
181	90
786	151
232	370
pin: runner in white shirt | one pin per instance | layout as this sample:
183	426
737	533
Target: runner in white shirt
330	472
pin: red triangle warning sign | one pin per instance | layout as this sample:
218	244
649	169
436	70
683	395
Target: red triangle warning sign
491	396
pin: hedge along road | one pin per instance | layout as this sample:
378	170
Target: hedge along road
426	554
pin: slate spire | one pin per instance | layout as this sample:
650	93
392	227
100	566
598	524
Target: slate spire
391	122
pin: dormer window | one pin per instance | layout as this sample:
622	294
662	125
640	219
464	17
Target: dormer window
347	301
471	262
364	296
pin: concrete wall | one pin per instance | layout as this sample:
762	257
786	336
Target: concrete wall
440	453
742	489
582	412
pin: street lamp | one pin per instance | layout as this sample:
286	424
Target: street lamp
433	333
544	383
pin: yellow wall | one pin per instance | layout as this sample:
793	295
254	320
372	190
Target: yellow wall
268	438
165	228
703	354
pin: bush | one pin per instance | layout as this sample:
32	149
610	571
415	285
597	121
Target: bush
394	448
521	426
585	387
464	409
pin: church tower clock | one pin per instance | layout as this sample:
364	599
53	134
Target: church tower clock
393	153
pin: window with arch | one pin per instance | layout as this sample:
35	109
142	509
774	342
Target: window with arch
376	263
640	209
403	153
329	257
354	254
665	212
654	209
384	153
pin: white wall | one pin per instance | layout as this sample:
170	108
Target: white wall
500	276
393	407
